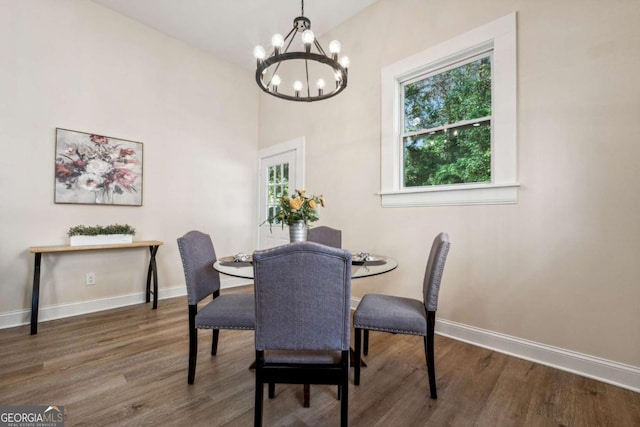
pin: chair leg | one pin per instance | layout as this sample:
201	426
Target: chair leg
257	415
357	351
430	353
257	420
344	401
193	344
366	342
272	390
307	396
214	341
344	407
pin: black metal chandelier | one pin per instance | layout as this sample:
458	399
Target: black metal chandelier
301	67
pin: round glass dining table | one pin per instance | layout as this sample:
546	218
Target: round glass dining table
359	269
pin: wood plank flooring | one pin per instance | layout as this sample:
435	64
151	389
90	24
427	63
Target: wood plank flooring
128	367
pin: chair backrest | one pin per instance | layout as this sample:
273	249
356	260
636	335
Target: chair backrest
198	256
325	236
433	274
303	293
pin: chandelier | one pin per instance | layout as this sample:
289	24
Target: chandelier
294	66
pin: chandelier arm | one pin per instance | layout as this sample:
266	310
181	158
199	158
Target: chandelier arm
319	47
285	51
293	30
273	74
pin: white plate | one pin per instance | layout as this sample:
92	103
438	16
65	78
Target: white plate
364	257
236	259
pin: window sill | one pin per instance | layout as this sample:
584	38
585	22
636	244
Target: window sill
452	195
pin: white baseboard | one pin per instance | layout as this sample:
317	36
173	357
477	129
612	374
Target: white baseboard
607	371
23	317
233	282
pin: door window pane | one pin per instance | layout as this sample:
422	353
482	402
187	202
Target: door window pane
277	186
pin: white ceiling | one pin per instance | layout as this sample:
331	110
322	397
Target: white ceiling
230	29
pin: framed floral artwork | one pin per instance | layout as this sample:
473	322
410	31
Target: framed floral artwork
94	169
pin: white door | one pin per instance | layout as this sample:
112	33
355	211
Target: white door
281	172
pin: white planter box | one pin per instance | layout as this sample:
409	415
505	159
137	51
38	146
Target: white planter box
101	239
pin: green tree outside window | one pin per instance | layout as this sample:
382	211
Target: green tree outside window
447	126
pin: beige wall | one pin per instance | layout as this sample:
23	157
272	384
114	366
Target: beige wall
77	65
561	266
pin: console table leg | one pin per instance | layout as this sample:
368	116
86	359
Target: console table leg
35	294
153	270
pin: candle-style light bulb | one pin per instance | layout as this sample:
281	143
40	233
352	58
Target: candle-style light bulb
344	61
307	39
334	48
275	82
259	53
320	84
297	87
277	41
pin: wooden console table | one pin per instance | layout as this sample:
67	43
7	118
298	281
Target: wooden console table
153	246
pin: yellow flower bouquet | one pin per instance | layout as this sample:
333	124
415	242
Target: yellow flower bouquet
297	207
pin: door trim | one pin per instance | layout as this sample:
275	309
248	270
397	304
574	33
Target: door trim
297	145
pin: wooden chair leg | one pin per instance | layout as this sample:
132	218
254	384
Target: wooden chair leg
193	344
272	390
214	341
366	342
257	414
357	361
344	402
307	396
430	353
257	420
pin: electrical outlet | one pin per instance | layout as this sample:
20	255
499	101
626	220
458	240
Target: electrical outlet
90	279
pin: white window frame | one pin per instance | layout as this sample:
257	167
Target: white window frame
498	36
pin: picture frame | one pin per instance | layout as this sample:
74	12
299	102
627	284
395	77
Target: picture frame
92	169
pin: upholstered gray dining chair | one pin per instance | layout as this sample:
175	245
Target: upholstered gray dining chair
302	292
330	237
325	236
233	311
399	315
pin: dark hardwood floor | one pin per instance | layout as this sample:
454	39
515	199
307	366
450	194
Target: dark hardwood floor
128	367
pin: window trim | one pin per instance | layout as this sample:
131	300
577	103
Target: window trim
498	36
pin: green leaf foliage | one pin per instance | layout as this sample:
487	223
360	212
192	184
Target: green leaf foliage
83	230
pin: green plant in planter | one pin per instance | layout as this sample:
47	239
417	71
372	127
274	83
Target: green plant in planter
84	230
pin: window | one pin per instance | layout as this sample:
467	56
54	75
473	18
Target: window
277	186
448	122
446	136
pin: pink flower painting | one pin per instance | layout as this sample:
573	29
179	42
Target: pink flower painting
95	169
